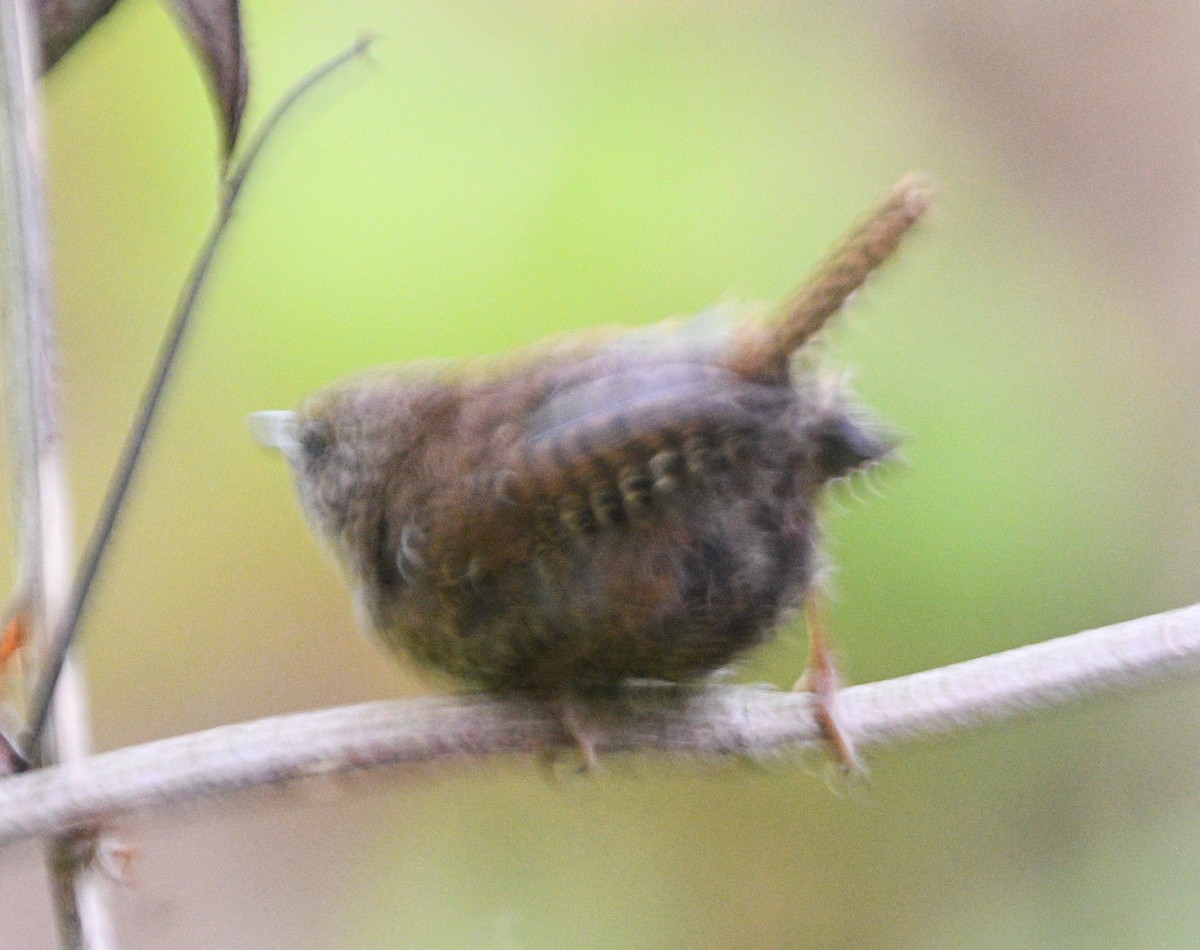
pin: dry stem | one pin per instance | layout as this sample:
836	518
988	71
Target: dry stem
44	522
711	721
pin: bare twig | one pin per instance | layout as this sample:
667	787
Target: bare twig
122	480
41	500
710	721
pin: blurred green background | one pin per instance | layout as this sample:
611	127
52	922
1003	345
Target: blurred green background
502	171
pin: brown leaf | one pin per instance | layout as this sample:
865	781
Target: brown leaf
64	22
214	28
14	636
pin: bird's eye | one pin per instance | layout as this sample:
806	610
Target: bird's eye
315	440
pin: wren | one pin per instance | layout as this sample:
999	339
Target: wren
622	505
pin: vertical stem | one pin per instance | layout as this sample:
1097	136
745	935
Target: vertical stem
127	465
43	512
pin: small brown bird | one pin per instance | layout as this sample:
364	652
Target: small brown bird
617	506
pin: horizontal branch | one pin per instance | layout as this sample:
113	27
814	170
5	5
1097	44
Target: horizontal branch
708	721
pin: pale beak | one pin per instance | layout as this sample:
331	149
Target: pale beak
276	429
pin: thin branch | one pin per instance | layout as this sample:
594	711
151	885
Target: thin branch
41	498
127	465
709	721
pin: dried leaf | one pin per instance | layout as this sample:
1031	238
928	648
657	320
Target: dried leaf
14	636
214	28
64	22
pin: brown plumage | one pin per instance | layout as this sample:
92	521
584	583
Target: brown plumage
608	507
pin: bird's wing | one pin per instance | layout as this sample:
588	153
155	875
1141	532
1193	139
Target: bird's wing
625	418
598	453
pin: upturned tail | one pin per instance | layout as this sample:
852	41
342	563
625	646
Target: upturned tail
762	352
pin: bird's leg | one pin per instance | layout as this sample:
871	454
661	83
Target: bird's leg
575	722
821	679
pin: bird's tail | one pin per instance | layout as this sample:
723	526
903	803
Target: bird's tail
763	351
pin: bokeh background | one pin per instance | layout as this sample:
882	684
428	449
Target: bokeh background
506	170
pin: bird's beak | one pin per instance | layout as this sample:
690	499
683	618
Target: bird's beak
276	429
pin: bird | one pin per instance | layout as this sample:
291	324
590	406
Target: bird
607	507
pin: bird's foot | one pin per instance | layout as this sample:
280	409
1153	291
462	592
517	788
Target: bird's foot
821	679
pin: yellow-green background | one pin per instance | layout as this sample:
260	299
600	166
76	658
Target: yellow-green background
506	170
